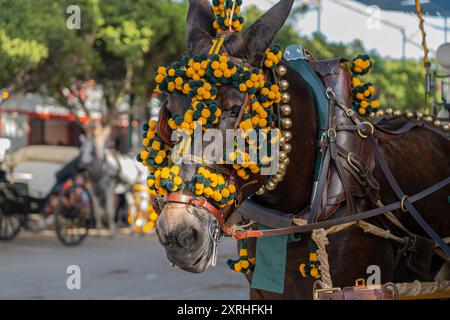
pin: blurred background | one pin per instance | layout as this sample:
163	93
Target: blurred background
76	86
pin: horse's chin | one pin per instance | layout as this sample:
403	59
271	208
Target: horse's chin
197	263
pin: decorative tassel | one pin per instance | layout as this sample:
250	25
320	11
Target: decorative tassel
311	269
243	264
362	92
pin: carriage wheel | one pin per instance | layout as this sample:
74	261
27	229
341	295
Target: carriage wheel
10	225
72	223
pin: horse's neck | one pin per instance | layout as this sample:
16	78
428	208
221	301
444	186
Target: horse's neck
294	192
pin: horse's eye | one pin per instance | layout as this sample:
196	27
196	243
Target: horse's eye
235	111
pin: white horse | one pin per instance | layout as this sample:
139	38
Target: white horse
110	173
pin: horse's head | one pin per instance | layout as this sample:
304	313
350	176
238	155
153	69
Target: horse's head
87	151
186	229
93	145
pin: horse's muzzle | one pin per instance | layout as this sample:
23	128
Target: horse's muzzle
184	232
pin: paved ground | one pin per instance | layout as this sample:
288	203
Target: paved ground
33	266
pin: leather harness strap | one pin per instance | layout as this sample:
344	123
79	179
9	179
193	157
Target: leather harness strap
359	216
405	203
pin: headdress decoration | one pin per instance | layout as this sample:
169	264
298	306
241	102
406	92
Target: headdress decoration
362	92
199	77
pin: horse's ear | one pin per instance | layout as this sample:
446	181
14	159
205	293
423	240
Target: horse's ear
254	41
200	28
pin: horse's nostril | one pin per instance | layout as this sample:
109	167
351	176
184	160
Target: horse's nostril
187	237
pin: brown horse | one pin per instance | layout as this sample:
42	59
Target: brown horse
418	159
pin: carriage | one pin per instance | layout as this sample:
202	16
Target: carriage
42	180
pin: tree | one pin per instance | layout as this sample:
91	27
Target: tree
117	46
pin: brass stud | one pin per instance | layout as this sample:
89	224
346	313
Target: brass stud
287	147
284	84
285	110
282	155
285	97
261	191
281	174
397	113
428	119
380	113
282	140
419	115
274	180
282	167
281	70
410	115
446	127
287	135
286	161
286	123
389	111
437	123
271	186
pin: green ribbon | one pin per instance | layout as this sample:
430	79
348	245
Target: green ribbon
270	269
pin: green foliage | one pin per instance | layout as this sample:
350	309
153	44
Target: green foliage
118	42
18	53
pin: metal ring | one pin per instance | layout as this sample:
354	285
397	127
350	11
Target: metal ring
330	130
371	126
402	203
330	93
394	289
349	160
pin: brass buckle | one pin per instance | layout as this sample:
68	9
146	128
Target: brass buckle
372	129
350	113
199	202
332	130
316	292
350	162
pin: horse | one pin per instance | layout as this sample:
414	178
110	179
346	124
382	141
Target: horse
110	173
418	158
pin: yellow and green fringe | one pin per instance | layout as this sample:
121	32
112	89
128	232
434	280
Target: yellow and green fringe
199	78
243	264
362	92
223	10
312	268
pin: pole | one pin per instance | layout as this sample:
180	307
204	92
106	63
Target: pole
404	39
319	17
446	29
